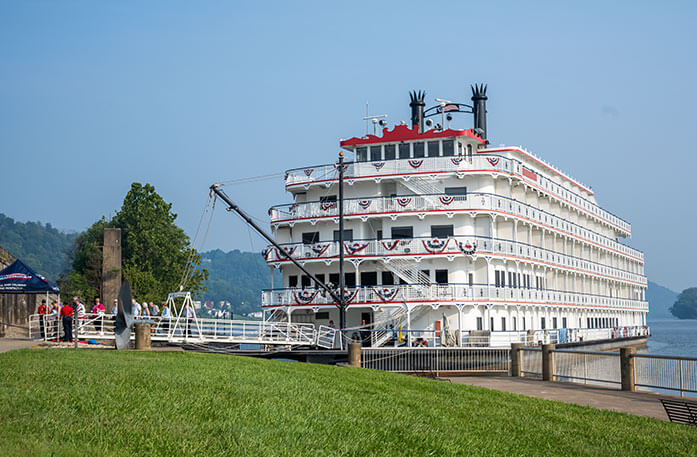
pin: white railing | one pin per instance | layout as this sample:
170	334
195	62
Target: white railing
436	360
444	293
420	205
393	249
676	374
324	174
190	330
588	367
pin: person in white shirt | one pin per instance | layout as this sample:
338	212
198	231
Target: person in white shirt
135	309
166	317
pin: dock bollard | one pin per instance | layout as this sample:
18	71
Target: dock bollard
143	337
627	368
355	355
548	362
516	359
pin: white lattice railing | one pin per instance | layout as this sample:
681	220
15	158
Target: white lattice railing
449	205
393	249
325	174
448	293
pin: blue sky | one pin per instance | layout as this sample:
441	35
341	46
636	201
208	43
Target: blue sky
95	95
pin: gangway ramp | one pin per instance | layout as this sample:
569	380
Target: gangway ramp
195	330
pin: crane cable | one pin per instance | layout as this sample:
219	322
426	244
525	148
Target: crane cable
197	243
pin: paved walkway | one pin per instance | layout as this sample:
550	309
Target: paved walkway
637	403
8	344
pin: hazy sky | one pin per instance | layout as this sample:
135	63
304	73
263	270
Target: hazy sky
95	95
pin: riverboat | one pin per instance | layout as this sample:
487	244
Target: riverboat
450	241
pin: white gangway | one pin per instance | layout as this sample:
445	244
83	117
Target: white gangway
194	330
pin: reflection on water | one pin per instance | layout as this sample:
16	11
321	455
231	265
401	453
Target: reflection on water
677	337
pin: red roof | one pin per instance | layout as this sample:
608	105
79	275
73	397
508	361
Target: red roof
404	133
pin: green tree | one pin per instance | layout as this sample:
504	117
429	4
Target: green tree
156	254
685	307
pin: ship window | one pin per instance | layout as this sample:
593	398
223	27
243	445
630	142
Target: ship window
404	151
491	323
554	322
514	324
350	279
448	148
426	273
471	279
418	149
334	279
433	148
523	324
361	154
441	231
348	235
480	323
292	281
402	232
369	278
310	237
375	153
389	151
387	278
563	322
322	316
543	323
327	198
457	191
442	276
503	324
305	281
379	236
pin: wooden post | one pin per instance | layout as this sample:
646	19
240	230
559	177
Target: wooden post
143	337
516	359
548	362
355	354
627	368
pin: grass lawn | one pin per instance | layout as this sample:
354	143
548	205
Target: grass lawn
99	402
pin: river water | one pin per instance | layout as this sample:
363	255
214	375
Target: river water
676	337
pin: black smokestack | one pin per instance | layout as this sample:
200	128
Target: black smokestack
417	109
479	99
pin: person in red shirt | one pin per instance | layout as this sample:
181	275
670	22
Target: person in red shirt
67	315
43	311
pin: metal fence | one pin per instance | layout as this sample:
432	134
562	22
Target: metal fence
672	374
588	367
531	363
437	360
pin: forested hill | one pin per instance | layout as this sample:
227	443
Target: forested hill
42	247
660	300
237	277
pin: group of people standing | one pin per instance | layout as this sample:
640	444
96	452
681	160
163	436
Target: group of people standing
66	313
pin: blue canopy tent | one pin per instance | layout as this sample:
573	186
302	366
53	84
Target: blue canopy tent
21	290
20	279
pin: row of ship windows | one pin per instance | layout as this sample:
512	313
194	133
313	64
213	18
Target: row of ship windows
591	322
445	148
401	233
370	278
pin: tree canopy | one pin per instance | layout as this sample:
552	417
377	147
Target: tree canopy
156	254
685	307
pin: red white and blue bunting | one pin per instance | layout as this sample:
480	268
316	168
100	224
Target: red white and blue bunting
404	201
447	199
378	165
326	206
386	293
305	297
435	246
308	171
349	295
289	251
457	160
354	248
467	248
493	161
265	253
364	203
319	249
416	163
390	245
